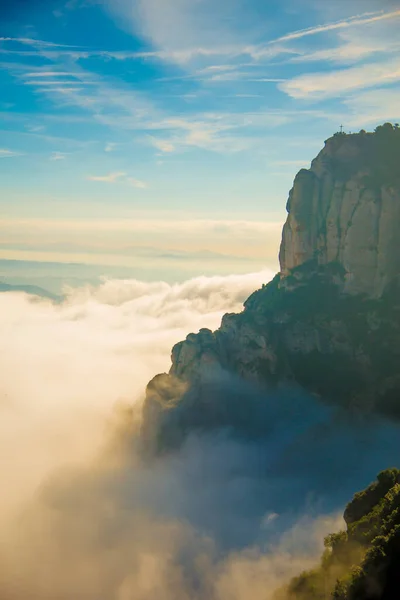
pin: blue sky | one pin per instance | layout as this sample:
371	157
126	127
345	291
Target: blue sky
164	135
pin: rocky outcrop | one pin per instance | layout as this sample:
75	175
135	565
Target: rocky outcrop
345	210
304	327
362	562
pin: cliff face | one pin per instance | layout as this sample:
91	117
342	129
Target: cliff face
345	210
305	327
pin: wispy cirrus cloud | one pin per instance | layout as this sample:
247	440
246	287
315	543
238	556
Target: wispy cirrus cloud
55	82
183	32
58	156
364	19
35	42
181	24
42	73
162	145
7	153
356	44
110	147
227	60
190	36
340	82
137	183
192	42
119	177
110	178
64	91
373	106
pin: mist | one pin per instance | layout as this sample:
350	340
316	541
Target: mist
232	513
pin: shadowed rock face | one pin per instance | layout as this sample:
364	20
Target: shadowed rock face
346	209
328	323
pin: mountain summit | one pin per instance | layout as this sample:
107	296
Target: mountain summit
328	323
346	209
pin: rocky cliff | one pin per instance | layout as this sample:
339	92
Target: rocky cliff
346	209
329	322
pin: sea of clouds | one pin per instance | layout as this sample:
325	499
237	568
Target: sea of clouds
225	517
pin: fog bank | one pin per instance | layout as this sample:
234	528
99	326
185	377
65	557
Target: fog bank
226	517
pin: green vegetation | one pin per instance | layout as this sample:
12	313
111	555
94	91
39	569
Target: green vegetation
348	347
363	562
378	154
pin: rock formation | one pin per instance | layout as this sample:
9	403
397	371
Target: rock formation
345	210
329	322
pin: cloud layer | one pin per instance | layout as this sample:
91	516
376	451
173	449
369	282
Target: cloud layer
65	366
81	513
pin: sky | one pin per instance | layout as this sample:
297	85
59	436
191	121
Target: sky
160	138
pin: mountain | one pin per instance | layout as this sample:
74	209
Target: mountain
329	322
33	290
360	563
346	209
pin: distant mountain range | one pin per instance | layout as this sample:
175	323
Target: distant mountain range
33	290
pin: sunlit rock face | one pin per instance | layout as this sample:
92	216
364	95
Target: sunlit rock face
329	323
346	209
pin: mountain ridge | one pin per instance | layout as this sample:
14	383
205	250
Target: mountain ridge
329	322
33	290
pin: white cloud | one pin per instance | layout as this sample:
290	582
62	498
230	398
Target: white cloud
214	68
78	359
116	106
224	518
162	145
340	82
182	57
265	80
6	153
64	91
58	156
119	176
180	25
57	82
110	147
35	42
182	31
137	183
346	53
356	45
39	74
216	131
343	24
373	107
110	178
35	128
